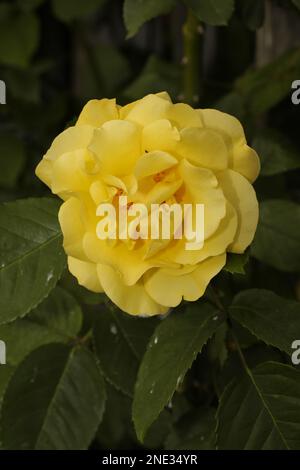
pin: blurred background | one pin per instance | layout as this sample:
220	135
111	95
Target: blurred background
57	54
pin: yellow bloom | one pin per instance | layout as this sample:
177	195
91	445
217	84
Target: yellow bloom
152	151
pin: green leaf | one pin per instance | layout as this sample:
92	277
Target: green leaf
217	347
28	5
296	3
20	79
137	12
255	87
6	10
213	12
5	375
19	36
113	70
235	263
194	431
55	400
116	429
170	353
253	13
262	312
12	159
261	411
32	257
159	431
80	293
232	103
69	10
157	75
28	79
276	153
57	319
277	239
120	341
114	67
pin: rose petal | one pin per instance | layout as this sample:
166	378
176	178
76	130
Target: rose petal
134	299
241	195
243	159
97	112
169	287
85	273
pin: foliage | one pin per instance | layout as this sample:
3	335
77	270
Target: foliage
213	374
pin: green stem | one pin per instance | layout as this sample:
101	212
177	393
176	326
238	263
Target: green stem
192	44
86	338
218	303
239	349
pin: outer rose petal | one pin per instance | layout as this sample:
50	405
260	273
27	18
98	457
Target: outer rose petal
73	227
133	299
73	138
241	195
68	174
243	159
168	287
96	112
129	264
203	147
246	162
148	109
183	115
124	110
225	124
86	274
44	172
164	95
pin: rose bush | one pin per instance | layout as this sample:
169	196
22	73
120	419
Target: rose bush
152	151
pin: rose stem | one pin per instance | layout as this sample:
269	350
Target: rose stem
192	45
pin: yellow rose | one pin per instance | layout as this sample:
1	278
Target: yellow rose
152	151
